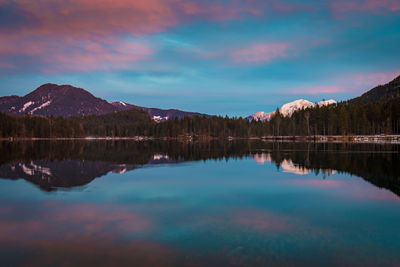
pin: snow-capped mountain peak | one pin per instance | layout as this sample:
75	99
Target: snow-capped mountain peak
288	109
326	102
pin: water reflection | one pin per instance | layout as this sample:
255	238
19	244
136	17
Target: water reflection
262	220
65	164
49	175
248	204
56	233
287	165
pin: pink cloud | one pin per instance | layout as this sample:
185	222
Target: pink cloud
7	66
211	10
57	55
365	5
261	52
94	19
289	7
91	34
356	83
96	56
359	83
373	79
318	89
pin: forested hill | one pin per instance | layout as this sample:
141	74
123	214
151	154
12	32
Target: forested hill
383	92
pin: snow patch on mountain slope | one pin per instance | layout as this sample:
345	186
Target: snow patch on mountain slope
159	118
40	107
119	104
26	105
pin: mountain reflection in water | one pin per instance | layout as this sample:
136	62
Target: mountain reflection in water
64	164
239	203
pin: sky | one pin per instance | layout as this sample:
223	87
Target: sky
231	57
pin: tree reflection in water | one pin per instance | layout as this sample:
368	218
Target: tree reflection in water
66	164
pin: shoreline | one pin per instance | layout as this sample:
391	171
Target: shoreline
387	139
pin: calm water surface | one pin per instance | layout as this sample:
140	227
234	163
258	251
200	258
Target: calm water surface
208	204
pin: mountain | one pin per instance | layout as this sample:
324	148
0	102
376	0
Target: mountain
288	109
52	99
66	101
382	92
157	114
261	116
326	102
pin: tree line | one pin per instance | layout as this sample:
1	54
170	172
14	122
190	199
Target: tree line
382	117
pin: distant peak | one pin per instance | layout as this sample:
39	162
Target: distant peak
56	87
47	86
43	89
289	108
326	102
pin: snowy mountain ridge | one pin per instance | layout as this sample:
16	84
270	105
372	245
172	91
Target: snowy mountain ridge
288	109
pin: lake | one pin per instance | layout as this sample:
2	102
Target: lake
159	203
